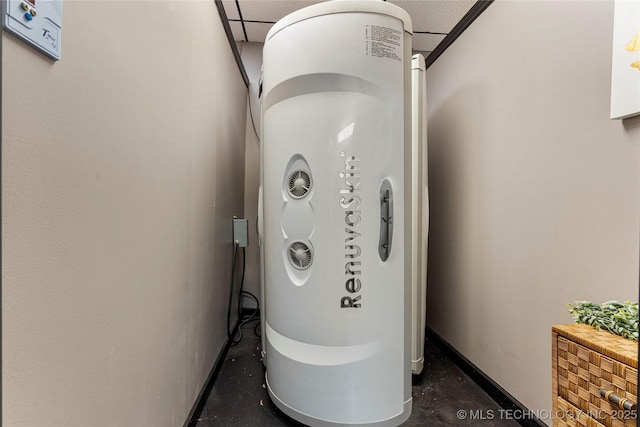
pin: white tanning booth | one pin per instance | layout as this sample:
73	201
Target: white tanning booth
335	213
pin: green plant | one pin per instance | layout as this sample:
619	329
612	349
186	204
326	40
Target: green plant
617	318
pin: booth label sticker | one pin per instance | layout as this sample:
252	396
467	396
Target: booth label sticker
383	42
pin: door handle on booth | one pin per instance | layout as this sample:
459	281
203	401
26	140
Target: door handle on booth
386	220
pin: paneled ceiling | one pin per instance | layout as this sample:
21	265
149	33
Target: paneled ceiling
250	20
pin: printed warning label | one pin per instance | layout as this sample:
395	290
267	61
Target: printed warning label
383	42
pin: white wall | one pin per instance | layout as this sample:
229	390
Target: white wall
122	165
251	54
534	191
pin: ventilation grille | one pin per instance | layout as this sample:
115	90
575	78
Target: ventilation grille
298	184
300	255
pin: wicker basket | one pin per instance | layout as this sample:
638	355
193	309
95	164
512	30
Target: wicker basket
586	364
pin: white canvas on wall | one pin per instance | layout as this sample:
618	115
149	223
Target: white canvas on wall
625	68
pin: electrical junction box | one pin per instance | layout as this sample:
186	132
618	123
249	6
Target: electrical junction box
36	22
240	233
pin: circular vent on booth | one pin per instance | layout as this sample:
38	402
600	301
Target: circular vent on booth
300	255
298	184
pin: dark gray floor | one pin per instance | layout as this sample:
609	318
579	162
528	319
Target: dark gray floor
239	397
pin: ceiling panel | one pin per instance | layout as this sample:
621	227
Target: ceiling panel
271	10
427	16
257	31
426	42
230	9
436	16
236	29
